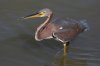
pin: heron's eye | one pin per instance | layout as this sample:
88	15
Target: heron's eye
42	14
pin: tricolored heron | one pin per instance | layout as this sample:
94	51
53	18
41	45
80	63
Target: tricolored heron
63	30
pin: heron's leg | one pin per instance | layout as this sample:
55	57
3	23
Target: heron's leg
66	48
66	44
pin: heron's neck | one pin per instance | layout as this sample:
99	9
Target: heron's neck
42	26
47	20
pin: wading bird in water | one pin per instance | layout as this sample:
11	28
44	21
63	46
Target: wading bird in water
63	30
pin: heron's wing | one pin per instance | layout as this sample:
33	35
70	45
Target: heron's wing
68	29
65	35
71	23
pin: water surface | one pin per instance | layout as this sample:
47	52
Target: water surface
17	44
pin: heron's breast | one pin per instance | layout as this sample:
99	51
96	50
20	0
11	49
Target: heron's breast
47	31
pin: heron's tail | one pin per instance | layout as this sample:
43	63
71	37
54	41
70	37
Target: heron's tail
84	25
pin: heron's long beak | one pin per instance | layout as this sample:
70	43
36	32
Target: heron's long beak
35	15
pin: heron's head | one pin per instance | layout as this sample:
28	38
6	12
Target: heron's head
42	13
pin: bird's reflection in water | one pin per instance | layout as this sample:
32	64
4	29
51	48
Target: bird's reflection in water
60	59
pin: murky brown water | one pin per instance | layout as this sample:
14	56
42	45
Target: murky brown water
17	44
